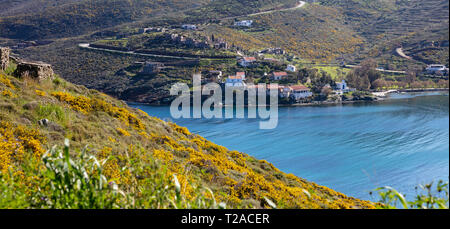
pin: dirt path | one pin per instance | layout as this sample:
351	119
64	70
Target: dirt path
400	52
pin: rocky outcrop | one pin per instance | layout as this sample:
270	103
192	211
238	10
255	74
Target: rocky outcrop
35	70
4	58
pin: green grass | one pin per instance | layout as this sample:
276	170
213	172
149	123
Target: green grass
51	112
79	182
10	69
334	71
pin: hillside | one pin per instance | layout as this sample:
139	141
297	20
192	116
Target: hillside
313	33
321	35
81	17
387	25
232	8
135	150
11	8
326	30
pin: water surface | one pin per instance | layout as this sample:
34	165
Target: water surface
353	149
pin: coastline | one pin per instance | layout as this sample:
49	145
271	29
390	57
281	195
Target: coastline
424	90
377	99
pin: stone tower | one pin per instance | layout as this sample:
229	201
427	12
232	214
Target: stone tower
4	58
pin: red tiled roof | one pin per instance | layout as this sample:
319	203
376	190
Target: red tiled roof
280	74
235	77
299	87
240	73
249	59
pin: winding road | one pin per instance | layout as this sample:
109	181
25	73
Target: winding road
88	46
299	5
380	70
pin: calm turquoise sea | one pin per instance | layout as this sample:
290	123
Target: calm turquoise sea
353	149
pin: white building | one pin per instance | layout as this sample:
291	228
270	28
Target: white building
245	23
279	75
247	61
285	92
298	92
291	68
436	69
342	88
189	27
235	82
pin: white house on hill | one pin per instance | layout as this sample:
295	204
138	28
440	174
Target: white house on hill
235	82
245	23
279	75
291	68
436	69
247	61
189	27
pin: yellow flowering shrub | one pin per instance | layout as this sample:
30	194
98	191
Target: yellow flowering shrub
123	132
86	105
120	113
179	129
8	93
79	103
15	141
40	93
163	155
111	169
5	81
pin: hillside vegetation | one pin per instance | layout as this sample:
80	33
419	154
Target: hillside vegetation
313	32
131	160
326	30
81	17
323	33
389	24
15	7
233	8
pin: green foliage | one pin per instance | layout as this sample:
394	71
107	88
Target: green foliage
76	184
233	8
429	197
80	17
11	194
52	112
66	182
10	69
387	25
59	82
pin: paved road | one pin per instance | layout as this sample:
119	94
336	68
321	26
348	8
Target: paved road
380	70
299	5
88	46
